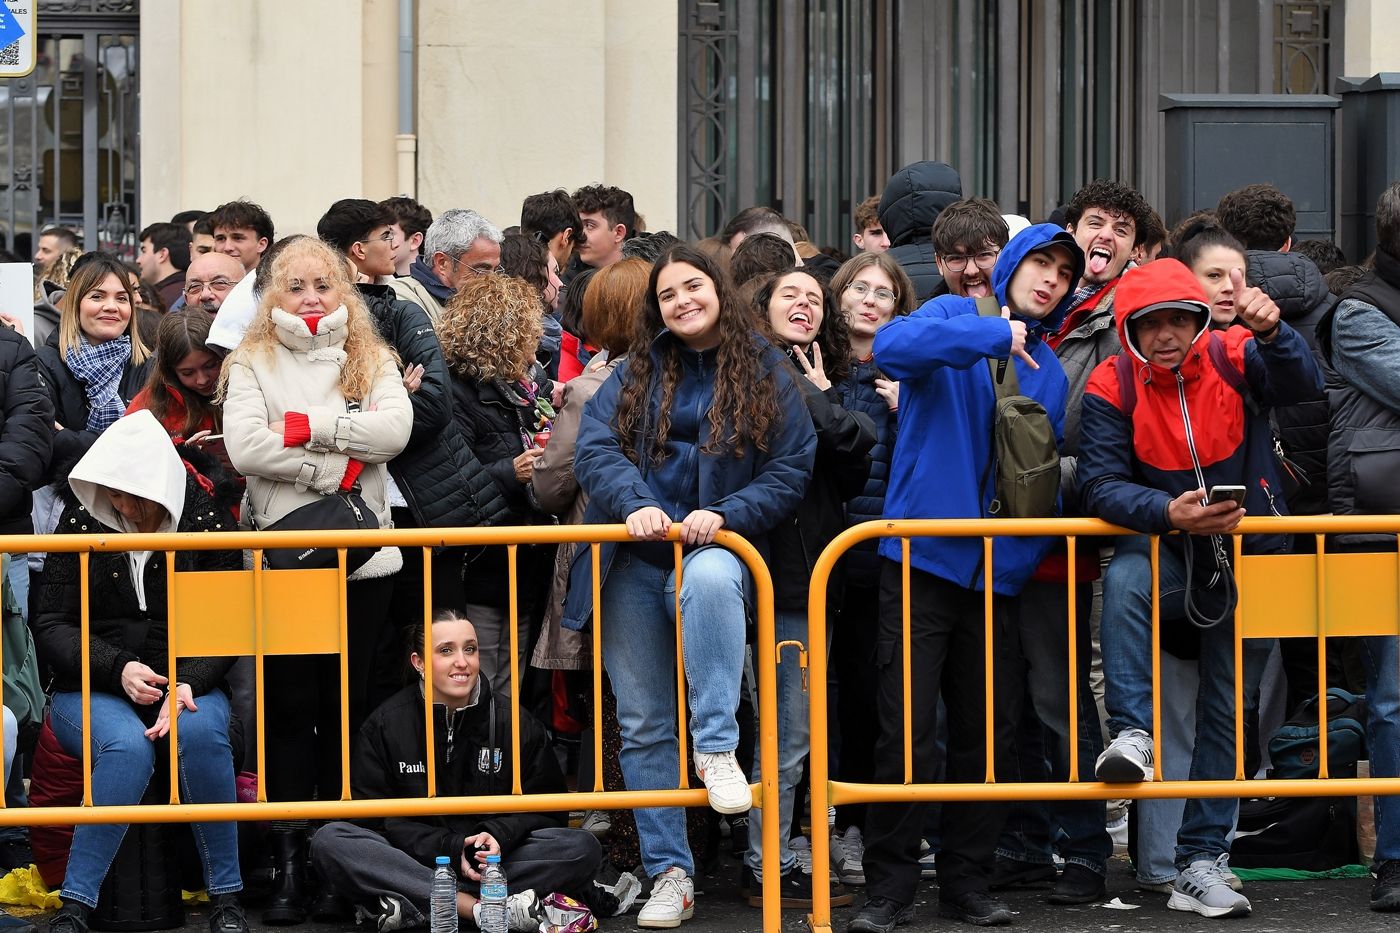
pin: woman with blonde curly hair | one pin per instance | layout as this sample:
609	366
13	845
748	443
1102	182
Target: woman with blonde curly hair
489	332
314	404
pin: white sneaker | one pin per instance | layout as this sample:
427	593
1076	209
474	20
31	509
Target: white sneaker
1202	888
801	847
728	788
1127	760
596	822
524	912
672	901
852	867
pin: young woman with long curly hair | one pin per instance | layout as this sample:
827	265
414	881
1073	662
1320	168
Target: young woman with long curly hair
703	426
314	404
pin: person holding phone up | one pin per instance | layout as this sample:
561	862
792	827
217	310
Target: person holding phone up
1179	411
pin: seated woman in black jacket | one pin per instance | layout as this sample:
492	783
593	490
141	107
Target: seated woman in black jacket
132	480
386	866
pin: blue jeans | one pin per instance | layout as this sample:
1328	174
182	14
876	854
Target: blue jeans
1381	657
1126	641
794	734
1074	827
123	760
639	652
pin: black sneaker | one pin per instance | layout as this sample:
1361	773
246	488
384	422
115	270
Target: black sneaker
1385	893
1078	884
226	915
1014	873
738	836
977	908
71	918
880	915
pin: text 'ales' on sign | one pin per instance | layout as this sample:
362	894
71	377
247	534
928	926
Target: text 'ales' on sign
17	49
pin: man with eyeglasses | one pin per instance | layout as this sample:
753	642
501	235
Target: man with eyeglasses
460	244
967	238
209	279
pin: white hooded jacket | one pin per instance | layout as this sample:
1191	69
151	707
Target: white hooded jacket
134	456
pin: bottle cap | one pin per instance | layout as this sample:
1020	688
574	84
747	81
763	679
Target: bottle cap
493	860
444	860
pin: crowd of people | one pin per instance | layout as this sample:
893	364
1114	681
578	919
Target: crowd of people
419	371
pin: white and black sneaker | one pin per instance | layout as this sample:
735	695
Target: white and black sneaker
1203	888
1127	760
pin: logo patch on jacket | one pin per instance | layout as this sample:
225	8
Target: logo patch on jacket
488	760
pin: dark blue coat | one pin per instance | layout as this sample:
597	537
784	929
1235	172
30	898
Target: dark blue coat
753	493
858	393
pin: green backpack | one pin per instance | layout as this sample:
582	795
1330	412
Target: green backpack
24	693
1025	460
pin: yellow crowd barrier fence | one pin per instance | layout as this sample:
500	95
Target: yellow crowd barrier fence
259	612
1321	595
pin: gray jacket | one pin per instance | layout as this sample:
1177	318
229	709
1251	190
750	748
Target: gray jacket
1080	352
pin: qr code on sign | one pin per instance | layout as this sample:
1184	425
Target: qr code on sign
9	55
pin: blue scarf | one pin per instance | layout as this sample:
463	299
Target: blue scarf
99	368
426	277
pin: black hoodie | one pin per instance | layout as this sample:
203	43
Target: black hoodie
913	199
1299	290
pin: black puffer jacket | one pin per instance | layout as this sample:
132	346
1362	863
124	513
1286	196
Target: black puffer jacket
26	432
913	199
490	425
858	394
120	630
442	481
70	404
844	440
1297	287
390	763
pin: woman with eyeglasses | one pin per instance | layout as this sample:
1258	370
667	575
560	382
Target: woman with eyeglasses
871	289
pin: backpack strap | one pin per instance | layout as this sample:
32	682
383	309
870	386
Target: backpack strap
1003	374
1229	373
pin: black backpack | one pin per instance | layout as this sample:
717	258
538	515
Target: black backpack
1294	748
1025	458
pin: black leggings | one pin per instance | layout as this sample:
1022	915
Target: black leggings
302	699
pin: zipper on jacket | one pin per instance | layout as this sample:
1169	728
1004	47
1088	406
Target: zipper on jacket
1221	560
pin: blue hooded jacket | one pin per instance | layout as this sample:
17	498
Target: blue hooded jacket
946	401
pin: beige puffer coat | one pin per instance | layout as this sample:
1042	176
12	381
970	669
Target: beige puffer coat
302	374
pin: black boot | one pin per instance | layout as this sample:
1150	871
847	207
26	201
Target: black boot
288	904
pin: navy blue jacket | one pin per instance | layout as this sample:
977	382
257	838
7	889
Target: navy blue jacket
946	402
858	393
753	493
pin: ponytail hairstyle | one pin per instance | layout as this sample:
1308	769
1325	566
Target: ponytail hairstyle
178	336
744	410
834	336
1201	234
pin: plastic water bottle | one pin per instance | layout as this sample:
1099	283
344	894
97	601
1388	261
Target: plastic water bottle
493	897
443	907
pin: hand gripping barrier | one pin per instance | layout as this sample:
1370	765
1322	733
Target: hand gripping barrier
232	613
1317	595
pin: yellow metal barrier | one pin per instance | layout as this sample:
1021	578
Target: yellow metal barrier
230	613
1318	596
